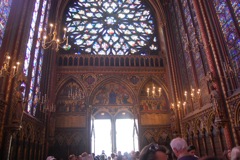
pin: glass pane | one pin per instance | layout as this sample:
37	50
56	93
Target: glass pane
102	133
102	27
4	13
30	39
126	140
229	29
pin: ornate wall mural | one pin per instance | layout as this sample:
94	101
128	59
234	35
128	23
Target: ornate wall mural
71	98
153	99
154	105
112	94
160	135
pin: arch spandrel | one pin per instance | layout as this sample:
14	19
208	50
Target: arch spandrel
158	104
159	81
67	80
112	93
64	103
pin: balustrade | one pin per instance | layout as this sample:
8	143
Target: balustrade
110	61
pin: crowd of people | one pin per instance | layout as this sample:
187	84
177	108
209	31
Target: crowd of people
179	151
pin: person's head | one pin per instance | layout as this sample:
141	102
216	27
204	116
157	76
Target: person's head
137	154
235	154
191	150
154	152
132	155
227	154
51	158
102	157
84	154
112	155
179	146
72	157
125	155
119	153
79	157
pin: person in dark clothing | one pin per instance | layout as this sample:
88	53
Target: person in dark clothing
179	147
154	152
192	150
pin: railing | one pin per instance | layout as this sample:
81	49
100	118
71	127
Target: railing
105	61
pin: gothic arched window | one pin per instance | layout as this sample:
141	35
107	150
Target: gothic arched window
34	53
228	13
111	27
5	6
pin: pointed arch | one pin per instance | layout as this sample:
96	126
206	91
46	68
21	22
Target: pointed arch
156	6
99	111
157	81
116	81
237	115
210	120
68	79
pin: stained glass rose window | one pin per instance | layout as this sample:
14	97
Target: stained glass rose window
111	27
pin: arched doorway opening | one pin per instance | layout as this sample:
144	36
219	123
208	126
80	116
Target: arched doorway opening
113	133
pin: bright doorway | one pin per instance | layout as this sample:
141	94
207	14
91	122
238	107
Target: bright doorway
126	135
113	134
102	137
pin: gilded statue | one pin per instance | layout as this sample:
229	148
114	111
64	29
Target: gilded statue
18	106
216	100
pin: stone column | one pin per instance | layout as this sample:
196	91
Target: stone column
205	40
10	131
212	143
206	37
204	143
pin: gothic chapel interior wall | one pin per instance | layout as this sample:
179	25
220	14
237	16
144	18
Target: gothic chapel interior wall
194	73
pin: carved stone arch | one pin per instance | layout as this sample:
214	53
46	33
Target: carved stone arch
21	134
38	134
66	80
157	81
101	110
186	129
192	136
198	125
155	6
123	110
112	80
237	115
210	122
158	104
61	99
28	131
65	59
204	131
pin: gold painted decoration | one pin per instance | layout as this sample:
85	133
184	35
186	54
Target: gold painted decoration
154	105
76	121
71	98
113	94
153	99
154	119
